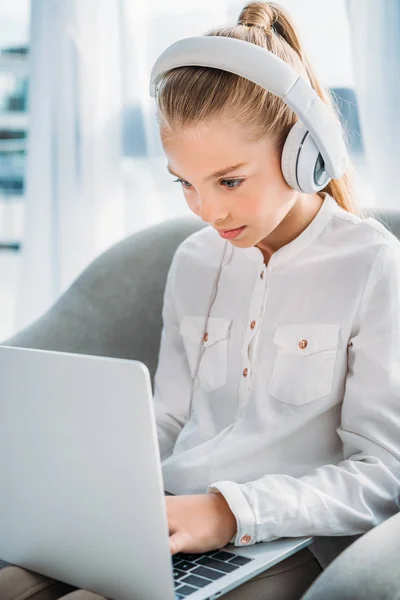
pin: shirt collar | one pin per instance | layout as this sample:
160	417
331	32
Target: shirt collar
306	237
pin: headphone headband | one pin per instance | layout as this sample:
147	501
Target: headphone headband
268	71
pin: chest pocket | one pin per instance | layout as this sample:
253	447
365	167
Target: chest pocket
305	362
213	371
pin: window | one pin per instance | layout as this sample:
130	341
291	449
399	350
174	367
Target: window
14	31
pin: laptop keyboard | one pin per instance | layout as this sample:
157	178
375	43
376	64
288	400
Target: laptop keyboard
192	572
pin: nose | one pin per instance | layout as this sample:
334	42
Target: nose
212	210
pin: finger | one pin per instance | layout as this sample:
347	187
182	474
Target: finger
173	526
178	542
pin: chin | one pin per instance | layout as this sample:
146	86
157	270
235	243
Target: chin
242	243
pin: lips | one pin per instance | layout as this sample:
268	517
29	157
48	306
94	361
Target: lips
229	230
231	233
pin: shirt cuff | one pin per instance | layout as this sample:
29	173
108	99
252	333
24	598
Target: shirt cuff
246	525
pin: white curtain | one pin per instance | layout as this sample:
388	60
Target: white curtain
375	37
75	205
95	171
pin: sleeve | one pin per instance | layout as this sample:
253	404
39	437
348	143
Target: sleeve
353	496
172	381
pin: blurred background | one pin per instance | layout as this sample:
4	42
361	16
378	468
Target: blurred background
81	165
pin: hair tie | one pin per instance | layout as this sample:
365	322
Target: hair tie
271	29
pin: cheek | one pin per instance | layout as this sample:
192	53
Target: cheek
191	199
255	205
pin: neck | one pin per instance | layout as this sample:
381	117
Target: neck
294	223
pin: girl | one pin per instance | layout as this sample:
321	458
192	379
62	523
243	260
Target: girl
278	384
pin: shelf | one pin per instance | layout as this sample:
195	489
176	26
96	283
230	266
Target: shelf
14	121
17	65
12	145
15	246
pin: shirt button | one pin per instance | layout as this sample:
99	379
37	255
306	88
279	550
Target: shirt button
303	344
253	324
246	539
205	337
262	274
245	372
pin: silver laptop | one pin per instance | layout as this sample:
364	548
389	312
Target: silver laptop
82	498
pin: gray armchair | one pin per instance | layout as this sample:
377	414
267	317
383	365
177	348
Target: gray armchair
114	307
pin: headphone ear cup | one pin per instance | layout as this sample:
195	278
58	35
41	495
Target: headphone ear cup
311	174
290	153
301	162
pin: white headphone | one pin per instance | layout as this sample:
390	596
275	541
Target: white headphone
314	151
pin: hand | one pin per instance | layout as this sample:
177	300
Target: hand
199	523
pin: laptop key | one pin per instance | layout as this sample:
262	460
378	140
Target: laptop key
178	574
185	590
208	573
186	565
223	555
240	560
191	557
217	564
196	581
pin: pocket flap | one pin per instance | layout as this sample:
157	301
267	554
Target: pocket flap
217	329
307	338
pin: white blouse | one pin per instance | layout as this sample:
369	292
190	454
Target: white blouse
295	415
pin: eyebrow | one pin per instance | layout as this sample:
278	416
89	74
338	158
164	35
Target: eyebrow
219	173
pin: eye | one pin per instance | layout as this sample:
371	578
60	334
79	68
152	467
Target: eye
231	184
183	183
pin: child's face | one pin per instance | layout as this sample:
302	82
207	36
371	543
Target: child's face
254	194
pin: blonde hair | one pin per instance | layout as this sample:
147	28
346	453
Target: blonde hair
190	95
